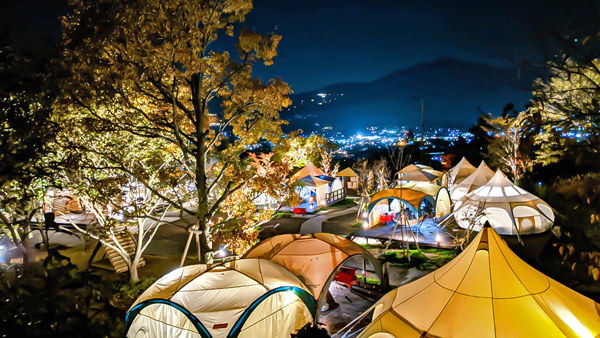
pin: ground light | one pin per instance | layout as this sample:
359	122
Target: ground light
438	240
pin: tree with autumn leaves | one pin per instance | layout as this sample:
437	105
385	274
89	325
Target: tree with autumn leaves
150	69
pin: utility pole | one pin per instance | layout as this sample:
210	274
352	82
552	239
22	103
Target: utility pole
422	121
422	131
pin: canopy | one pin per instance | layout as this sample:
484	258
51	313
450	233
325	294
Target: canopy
460	172
309	170
425	187
433	172
419	176
313	181
348	172
410	168
244	298
509	209
485	292
313	258
478	178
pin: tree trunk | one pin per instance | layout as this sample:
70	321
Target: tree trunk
133	272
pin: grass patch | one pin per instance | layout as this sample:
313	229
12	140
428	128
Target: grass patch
369	280
357	225
347	201
419	259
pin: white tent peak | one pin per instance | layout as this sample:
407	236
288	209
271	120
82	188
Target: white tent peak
487	292
478	178
461	171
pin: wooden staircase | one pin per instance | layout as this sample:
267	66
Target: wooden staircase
115	259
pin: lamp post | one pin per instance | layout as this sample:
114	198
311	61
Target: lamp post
438	239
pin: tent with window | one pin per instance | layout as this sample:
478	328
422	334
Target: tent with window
478	178
485	292
313	258
509	209
244	298
460	172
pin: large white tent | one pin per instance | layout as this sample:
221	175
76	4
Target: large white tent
244	298
460	172
313	258
485	292
478	178
509	209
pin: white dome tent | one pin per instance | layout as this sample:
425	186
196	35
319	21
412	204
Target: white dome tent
478	178
509	209
460	172
244	298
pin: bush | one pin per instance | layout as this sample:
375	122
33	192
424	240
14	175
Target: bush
127	293
56	300
310	331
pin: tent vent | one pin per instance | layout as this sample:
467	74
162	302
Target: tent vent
483	243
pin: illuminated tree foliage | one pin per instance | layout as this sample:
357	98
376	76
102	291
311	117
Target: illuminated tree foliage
25	134
269	185
150	68
565	116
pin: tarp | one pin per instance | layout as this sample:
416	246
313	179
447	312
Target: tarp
485	292
313	181
244	298
478	178
418	176
348	172
460	172
410	168
309	170
312	258
509	209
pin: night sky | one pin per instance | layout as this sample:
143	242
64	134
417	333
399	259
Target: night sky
328	42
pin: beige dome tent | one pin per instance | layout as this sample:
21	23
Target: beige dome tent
509	209
485	292
313	258
460	172
243	298
478	178
410	168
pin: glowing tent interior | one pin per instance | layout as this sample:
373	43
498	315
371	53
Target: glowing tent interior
412	195
487	291
243	298
313	258
478	178
509	209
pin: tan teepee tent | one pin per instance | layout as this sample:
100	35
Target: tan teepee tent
509	209
485	292
478	178
309	170
460	172
244	298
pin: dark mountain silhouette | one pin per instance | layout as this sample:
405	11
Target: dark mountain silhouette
452	91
